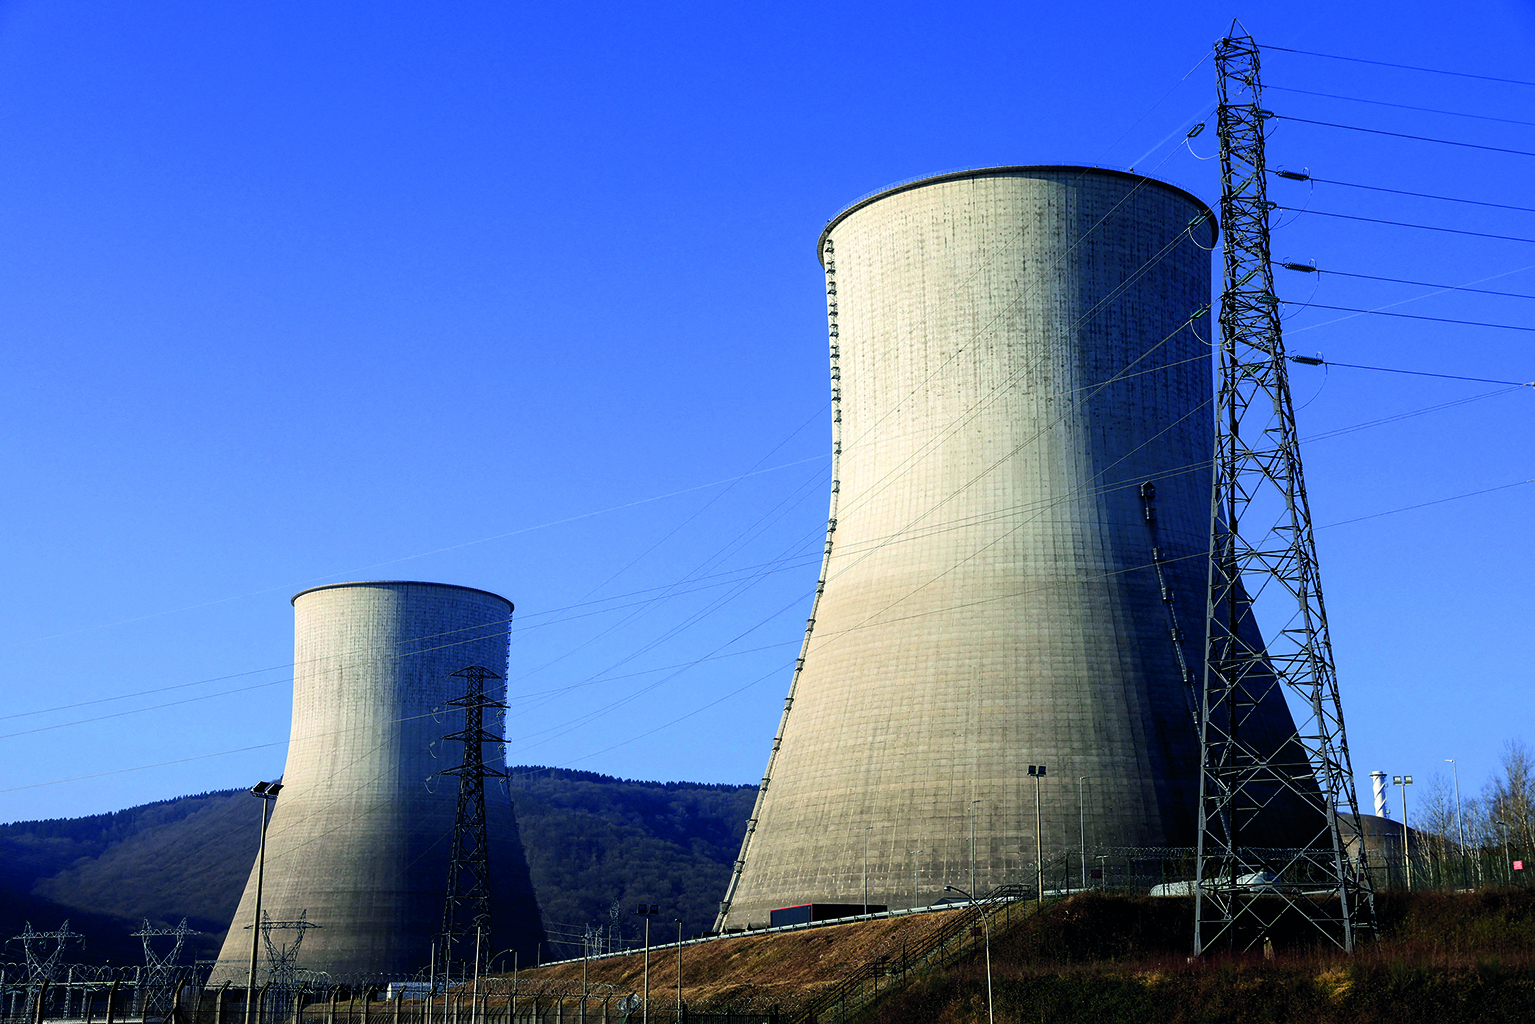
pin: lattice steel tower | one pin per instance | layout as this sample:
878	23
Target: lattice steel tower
1263	552
466	912
160	971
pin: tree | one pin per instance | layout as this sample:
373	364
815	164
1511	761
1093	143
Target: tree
1511	797
1435	822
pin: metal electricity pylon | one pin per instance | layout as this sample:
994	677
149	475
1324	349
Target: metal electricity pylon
160	971
1263	553
466	912
282	961
43	963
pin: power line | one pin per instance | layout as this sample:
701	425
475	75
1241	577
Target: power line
1309	361
1400	135
1204	57
865	624
1426	504
1409	316
1404	224
1401	67
319	580
1404	106
143	767
1304	268
1297	176
1339	431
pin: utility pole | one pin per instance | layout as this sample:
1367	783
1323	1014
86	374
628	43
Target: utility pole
1262	544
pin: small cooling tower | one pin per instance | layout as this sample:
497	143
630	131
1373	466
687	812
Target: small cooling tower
360	836
1015	353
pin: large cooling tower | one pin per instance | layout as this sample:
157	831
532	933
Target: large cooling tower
360	835
1015	351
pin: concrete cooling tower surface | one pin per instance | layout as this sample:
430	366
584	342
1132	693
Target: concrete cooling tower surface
1017	350
360	836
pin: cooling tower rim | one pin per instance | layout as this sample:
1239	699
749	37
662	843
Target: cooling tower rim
1010	171
401	583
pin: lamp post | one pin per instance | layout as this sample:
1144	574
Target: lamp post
1037	772
266	792
972	844
1404	781
678	922
647	911
916	893
1082	824
986	930
866	869
1460	826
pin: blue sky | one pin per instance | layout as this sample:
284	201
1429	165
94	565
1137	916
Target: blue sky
525	298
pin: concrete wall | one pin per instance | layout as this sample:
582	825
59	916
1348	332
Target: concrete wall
360	835
1014	363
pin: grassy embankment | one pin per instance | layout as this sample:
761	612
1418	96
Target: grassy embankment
1439	958
1107	959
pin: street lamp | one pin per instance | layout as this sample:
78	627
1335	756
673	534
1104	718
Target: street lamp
1037	772
866	869
916	896
1404	781
1082	821
986	930
1460	827
678	922
647	911
972	844
266	792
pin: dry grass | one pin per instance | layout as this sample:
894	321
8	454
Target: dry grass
782	967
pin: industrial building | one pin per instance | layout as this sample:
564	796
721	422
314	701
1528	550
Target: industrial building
359	843
1016	353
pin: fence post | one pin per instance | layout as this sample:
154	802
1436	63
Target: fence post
112	1001
37	1008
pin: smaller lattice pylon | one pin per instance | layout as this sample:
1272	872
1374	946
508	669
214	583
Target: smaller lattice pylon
159	971
41	966
282	960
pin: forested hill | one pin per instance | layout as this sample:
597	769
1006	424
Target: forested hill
591	840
